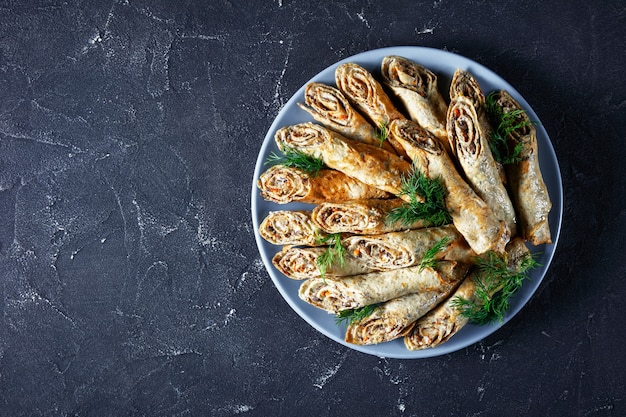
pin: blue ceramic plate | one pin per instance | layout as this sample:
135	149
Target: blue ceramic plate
443	64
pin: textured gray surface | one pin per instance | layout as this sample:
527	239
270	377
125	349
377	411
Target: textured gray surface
130	282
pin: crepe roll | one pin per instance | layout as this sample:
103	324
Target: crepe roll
470	141
403	249
464	84
368	96
445	320
393	318
367	163
416	88
291	227
471	216
440	324
335	294
528	188
282	184
331	108
300	263
361	217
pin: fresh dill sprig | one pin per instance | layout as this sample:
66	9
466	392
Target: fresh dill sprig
335	253
429	261
427	201
293	158
382	133
354	315
504	124
495	284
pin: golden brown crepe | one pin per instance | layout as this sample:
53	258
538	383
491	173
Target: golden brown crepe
332	109
368	216
402	249
416	88
369	164
393	319
464	84
470	141
470	214
528	188
368	96
282	185
301	263
443	322
291	227
335	294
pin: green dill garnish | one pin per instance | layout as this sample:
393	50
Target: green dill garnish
354	315
504	124
335	253
427	201
495	284
296	159
429	261
382	133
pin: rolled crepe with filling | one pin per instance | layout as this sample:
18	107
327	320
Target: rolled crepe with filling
464	84
332	109
393	318
369	164
282	185
528	188
368	96
441	323
402	249
291	227
416	88
445	320
301	263
361	217
335	294
470	214
470	141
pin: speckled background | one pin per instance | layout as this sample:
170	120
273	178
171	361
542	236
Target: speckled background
130	281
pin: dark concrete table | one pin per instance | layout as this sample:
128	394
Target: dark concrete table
130	280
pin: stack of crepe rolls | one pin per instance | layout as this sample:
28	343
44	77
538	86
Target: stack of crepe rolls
382	252
328	106
416	89
492	210
368	96
444	321
470	214
369	164
394	318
